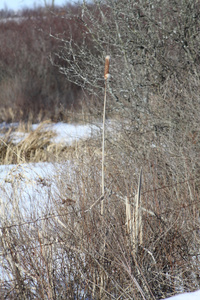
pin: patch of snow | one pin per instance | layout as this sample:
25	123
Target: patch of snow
186	296
68	133
28	187
17	137
65	133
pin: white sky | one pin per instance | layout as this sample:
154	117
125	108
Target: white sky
20	4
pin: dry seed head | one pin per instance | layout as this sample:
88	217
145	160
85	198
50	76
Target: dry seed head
106	70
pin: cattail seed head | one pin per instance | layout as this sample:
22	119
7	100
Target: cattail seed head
106	70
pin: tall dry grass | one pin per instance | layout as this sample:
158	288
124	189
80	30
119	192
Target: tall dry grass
63	252
22	144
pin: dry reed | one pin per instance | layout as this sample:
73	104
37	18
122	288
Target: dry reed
106	76
134	219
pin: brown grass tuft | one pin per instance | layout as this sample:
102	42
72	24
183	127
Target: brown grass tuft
36	145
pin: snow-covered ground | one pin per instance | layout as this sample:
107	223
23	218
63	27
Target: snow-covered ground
186	296
31	186
68	133
32	180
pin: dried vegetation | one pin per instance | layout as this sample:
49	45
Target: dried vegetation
145	246
17	145
146	243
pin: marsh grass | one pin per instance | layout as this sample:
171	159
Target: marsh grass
22	144
162	251
64	252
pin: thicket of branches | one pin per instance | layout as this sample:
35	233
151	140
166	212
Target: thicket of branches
153	94
74	252
154	73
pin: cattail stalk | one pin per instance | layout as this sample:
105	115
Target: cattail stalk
106	76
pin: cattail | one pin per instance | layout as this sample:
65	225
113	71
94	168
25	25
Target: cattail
106	76
106	70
